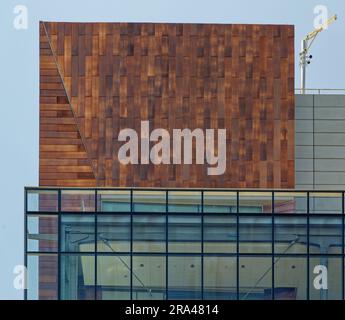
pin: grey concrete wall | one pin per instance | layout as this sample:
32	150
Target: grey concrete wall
320	141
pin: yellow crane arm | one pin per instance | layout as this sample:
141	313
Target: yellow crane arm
314	33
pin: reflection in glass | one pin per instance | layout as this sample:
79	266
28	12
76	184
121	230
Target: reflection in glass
290	234
255	278
220	278
184	233
39	287
220	202
255	234
113	201
42	233
77	233
149	277
255	202
184	277
324	232
325	202
77	277
42	200
78	200
290	278
220	234
290	202
113	277
149	233
184	201
149	201
113	233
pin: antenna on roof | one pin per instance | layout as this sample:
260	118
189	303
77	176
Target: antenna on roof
305	46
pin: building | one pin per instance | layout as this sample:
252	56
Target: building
100	229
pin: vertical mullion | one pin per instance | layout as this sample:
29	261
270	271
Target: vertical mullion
166	243
308	262
26	243
96	242
273	240
343	244
237	246
202	245
131	247
59	245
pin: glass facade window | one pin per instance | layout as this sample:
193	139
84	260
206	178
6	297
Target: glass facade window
255	278
77	201
220	278
290	277
77	233
290	202
184	233
149	233
143	244
42	233
290	235
149	277
255	234
39	264
77	277
38	200
220	234
114	201
184	201
113	233
114	277
184	277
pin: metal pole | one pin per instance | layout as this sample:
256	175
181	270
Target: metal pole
303	64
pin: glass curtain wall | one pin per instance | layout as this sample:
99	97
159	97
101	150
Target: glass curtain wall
184	244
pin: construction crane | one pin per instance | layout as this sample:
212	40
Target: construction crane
306	44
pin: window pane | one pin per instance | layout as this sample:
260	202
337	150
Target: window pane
77	277
325	202
113	201
113	233
255	278
113	277
42	200
220	278
149	278
324	232
255	234
78	200
290	202
184	277
220	234
149	201
255	202
220	202
184	233
42	277
149	233
42	233
77	233
184	201
325	278
290	278
290	235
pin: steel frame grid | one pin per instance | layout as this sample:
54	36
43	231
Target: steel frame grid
201	254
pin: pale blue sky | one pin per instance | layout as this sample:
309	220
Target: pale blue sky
19	80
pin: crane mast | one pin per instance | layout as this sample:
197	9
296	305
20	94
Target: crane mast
305	46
